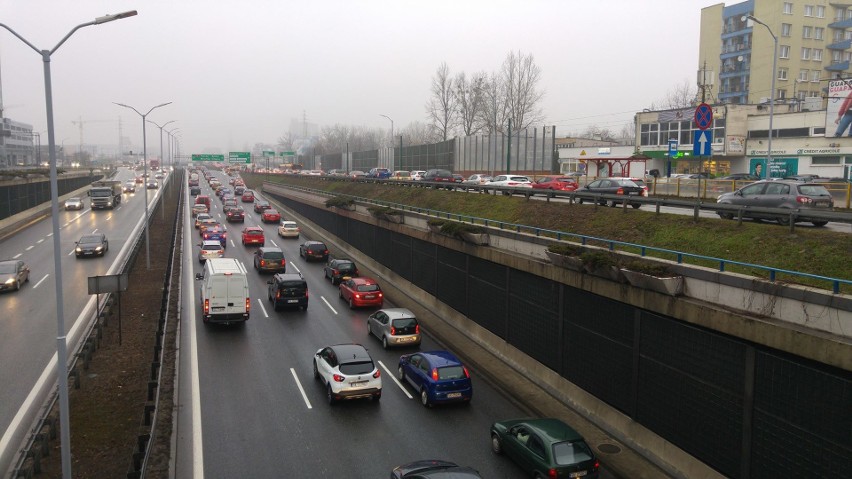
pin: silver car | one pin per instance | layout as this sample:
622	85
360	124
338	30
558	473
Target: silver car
786	194
74	204
394	327
289	229
210	249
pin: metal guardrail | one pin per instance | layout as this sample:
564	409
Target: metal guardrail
679	256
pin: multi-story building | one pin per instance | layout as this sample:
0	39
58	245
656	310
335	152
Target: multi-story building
814	45
16	144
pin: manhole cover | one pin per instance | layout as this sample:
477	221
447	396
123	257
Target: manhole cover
609	449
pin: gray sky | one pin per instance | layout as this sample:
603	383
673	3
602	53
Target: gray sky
238	72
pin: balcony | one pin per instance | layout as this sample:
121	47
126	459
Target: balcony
841	23
840	45
838	66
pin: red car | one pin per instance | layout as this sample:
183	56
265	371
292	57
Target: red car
556	183
361	292
248	196
270	216
253	235
203	200
140	180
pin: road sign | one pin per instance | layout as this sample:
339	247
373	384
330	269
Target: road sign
267	153
287	153
703	143
672	148
703	116
239	157
208	157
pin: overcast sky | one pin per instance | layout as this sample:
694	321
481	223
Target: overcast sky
238	72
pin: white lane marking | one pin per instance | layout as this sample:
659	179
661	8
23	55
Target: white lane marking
273	243
297	268
95	231
109	217
17	256
327	304
262	308
72	251
232	243
301	390
41	280
393	376
49	235
40	241
29	247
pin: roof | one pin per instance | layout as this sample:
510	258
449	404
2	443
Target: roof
347	353
441	359
363	280
394	313
553	429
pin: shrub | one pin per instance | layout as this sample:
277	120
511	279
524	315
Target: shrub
339	201
454	228
651	268
598	259
379	211
566	249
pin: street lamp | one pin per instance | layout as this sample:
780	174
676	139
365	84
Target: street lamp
162	156
61	360
145	174
771	93
391	137
172	140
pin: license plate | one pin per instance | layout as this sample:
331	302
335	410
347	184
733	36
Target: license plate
406	340
634	193
821	203
218	308
577	474
357	383
346	278
292	300
453	395
369	296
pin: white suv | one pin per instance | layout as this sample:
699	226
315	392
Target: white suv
348	372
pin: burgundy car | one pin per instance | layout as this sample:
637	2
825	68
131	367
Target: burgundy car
555	183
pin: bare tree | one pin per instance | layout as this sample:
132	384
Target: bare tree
418	133
469	100
682	95
594	132
441	109
285	142
494	112
628	133
520	76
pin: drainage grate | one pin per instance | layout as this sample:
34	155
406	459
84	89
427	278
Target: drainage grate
609	448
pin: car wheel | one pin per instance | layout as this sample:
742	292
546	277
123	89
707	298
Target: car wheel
329	395
28	275
538	475
783	220
726	216
818	224
385	342
17	285
351	304
340	293
424	398
635	205
263	244
581	201
377	397
496	444
316	372
400	373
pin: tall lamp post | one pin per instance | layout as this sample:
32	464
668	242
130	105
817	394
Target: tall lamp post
172	145
391	136
61	359
771	93
162	156
145	174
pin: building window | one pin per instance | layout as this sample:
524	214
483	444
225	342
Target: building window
786	28
806	53
781	94
784	51
815	76
803	75
782	73
820	11
825	160
788	8
806	32
809	10
819	33
817	54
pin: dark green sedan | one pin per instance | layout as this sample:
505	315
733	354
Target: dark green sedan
546	448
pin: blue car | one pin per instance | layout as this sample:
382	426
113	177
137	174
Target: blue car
380	173
438	376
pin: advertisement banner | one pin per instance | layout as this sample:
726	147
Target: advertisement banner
838	113
781	167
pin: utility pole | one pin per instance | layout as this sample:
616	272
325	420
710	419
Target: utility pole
509	148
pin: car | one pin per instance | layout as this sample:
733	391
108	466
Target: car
340	269
434	468
477	179
270	215
401	175
740	177
235	213
361	292
803	178
159	176
639	182
394	327
13	273
259	206
379	173
417	175
74	203
793	196
92	245
288	290
195	190
289	229
313	250
458	178
253	235
129	187
140	179
203	200
357	174
438	175
210	249
555	183
612	186
229	202
270	259
223	191
216	232
152	185
200	217
239	190
514	181
348	372
207	223
545	447
198	209
439	377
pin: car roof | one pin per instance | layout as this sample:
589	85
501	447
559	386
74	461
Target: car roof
289	277
395	313
94	237
364	280
552	429
440	359
253	228
287	222
310	243
348	353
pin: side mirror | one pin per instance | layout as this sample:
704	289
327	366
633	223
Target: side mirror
269	282
199	276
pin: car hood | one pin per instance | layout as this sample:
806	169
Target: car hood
6	276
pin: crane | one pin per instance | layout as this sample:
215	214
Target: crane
80	122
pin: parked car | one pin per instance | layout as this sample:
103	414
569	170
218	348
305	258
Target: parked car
740	177
92	245
437	376
394	327
289	229
270	216
198	209
544	448
379	173
288	290
235	213
514	181
74	203
129	187
216	232
790	195
340	269
434	468
313	250
458	178
477	179
268	258
556	183
259	206
361	292
13	273
253	235
200	217
613	186
439	176
210	249
348	372
247	196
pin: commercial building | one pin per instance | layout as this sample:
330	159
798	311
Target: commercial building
16	144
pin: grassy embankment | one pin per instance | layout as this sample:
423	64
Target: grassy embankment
810	250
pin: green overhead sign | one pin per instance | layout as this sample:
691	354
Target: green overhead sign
267	153
239	157
208	157
287	153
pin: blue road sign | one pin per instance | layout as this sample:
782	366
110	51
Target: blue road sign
672	148
703	142
703	116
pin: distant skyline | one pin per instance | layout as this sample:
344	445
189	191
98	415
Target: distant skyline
238	73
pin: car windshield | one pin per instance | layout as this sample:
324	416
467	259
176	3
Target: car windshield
451	372
565	453
6	268
367	287
814	190
254	233
346	267
90	239
273	255
520	178
215	247
316	247
288	225
361	367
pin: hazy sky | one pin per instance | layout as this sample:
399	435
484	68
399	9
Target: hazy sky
238	72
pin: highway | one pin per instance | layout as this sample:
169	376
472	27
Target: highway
260	413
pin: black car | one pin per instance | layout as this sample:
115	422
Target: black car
92	245
612	186
434	468
288	290
440	176
235	213
195	190
259	206
340	269
313	250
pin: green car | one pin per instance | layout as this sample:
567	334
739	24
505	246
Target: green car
544	448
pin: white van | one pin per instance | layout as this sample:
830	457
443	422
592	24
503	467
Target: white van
224	291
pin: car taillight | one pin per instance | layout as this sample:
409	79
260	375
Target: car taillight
206	306
434	374
339	378
619	192
377	374
597	465
380	294
206	235
248	304
552	473
466	374
393	331
804	200
278	295
325	252
417	329
306	293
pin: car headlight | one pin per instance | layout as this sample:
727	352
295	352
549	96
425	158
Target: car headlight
99	248
79	249
11	281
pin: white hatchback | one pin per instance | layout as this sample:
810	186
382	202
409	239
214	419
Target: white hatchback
348	372
289	229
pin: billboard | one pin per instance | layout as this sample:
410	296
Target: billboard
838	114
781	167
